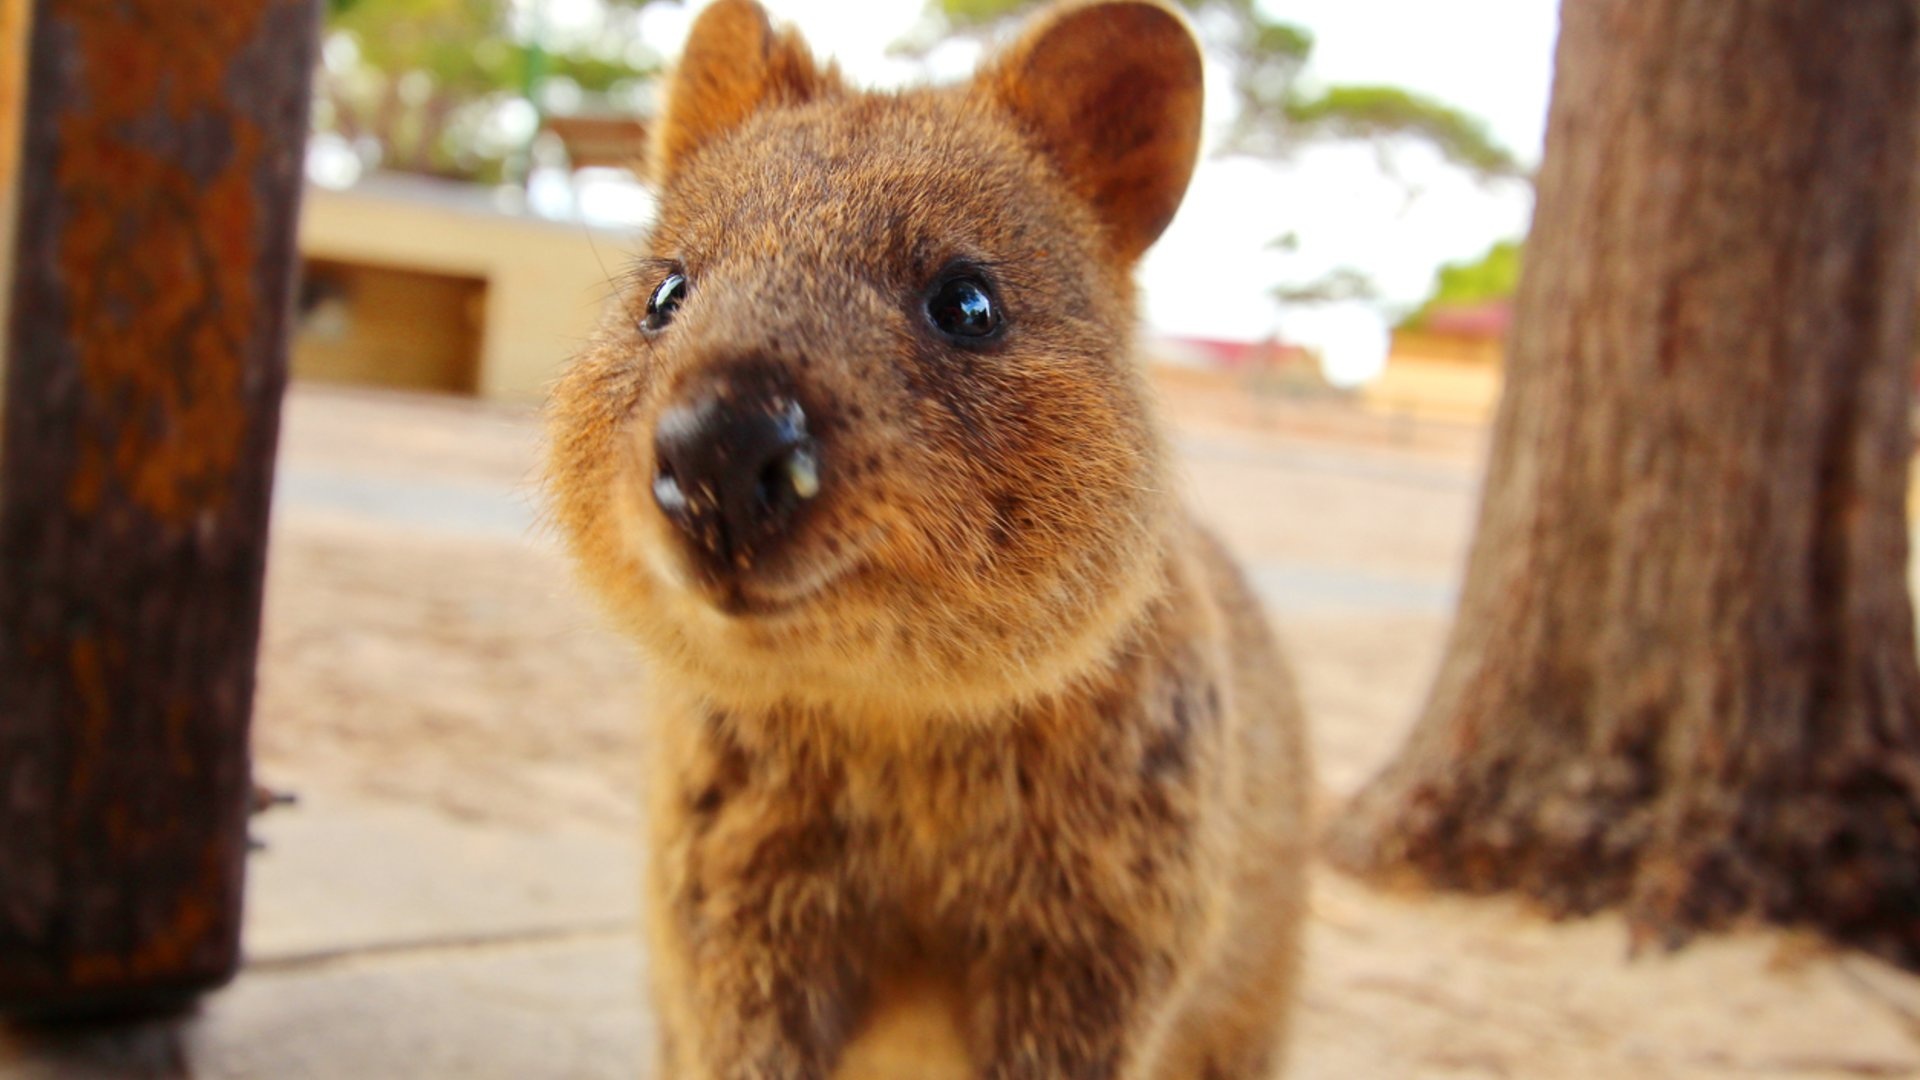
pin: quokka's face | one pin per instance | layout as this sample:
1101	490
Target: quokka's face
868	427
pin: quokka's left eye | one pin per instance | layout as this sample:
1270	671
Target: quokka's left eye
962	306
666	299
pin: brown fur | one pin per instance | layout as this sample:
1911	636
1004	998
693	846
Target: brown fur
991	767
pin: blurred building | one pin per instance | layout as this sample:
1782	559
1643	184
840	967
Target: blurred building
423	284
605	140
1449	367
1271	364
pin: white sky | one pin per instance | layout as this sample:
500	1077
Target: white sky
1211	273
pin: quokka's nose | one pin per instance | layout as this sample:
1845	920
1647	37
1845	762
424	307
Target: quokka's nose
730	471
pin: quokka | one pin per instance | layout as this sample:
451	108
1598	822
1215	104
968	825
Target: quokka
970	751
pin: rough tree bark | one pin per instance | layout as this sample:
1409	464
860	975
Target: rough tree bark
146	355
1683	676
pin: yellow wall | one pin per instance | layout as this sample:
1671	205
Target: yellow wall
1449	348
1439	376
1436	389
377	326
544	280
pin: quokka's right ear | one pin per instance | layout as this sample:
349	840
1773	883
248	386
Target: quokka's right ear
734	64
1110	91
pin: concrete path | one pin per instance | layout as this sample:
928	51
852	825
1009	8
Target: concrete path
389	940
1292	586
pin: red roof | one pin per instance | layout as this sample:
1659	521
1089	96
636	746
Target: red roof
1234	354
1489	320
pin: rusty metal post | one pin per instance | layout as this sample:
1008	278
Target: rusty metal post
155	253
13	65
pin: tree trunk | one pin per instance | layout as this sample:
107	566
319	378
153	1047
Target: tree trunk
146	356
1683	678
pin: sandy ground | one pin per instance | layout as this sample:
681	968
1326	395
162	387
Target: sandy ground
425	645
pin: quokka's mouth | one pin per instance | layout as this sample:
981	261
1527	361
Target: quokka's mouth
803	574
746	600
764	596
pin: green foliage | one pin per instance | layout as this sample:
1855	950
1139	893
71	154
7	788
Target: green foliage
1493	276
430	80
466	46
963	14
1264	59
1373	112
1339	284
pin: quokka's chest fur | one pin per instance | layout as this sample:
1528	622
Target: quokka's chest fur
1125	777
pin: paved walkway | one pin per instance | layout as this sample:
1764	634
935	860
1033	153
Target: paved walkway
387	940
1292	586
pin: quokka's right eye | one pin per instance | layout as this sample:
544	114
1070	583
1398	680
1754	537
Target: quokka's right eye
961	305
666	299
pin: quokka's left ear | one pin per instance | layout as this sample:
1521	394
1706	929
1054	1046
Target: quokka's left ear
734	64
1110	91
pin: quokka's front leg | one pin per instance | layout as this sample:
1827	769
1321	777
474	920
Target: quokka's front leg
1071	991
1076	977
760	979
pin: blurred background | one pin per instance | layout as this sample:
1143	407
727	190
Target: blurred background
1364	192
453	893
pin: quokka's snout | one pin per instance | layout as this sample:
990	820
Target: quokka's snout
735	463
747	445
